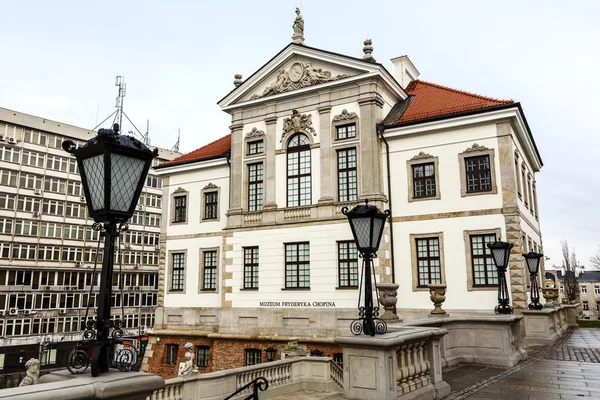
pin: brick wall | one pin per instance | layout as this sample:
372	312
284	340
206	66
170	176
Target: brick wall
224	353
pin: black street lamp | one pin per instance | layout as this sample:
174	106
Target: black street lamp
270	353
533	264
367	223
113	169
501	254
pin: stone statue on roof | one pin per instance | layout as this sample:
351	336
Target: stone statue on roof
298	26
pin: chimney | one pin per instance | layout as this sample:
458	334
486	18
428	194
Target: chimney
404	71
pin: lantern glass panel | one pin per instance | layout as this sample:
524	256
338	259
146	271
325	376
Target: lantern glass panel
500	256
125	174
362	231
94	172
533	264
377	231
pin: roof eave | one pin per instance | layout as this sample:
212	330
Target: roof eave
195	160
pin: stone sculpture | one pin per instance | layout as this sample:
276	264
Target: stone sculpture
187	367
388	297
437	295
298	26
33	372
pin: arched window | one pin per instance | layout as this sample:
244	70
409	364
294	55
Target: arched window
298	171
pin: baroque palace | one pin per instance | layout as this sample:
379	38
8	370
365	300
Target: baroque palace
255	251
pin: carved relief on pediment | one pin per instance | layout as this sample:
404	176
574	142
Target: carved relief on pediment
254	133
475	148
345	116
298	75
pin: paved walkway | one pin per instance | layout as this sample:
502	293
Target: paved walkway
570	369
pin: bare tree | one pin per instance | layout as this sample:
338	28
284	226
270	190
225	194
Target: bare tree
570	264
595	260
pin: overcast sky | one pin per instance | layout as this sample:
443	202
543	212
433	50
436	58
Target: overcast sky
59	60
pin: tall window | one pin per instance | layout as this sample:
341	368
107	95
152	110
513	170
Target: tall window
484	270
180	208
178	272
253	356
210	270
255	187
297	265
586	305
478	174
251	268
298	171
172	354
428	261
345	131
584	290
424	180
202	354
348	264
211	203
347	186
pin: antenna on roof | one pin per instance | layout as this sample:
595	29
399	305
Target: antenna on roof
175	147
120	112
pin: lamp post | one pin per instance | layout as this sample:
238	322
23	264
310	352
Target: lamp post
367	223
113	169
500	254
533	264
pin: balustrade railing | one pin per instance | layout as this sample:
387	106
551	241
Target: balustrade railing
173	390
413	367
337	374
297	213
252	218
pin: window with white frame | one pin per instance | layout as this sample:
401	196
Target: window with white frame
26	228
33	159
151	239
8	177
49	253
74	188
53	207
22	251
6	225
72	254
7	201
57	163
75	210
10	154
583	289
28	204
4	249
34	137
74	232
55	185
154	182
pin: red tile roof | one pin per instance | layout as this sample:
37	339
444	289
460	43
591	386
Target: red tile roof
431	100
212	150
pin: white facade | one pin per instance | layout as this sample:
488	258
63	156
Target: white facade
361	94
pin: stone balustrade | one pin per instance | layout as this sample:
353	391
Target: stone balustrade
543	327
252	218
480	339
404	363
298	213
285	376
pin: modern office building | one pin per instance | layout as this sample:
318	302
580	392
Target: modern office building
48	248
255	249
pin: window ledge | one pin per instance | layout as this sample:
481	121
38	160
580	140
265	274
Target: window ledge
346	288
297	289
249	289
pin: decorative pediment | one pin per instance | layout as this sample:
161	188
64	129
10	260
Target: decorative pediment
298	123
345	116
421	156
475	148
254	133
211	186
298	75
180	190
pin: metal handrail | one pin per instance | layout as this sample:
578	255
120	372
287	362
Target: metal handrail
257	384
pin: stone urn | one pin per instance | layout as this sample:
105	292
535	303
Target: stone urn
556	297
388	297
549	295
437	294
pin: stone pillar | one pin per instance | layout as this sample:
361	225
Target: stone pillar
517	275
327	155
235	190
371	175
270	167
